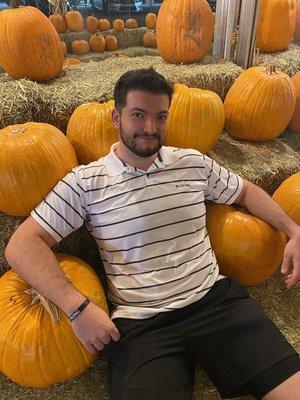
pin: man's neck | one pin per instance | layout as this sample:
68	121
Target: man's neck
128	157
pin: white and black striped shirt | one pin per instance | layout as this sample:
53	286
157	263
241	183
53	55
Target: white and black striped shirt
149	226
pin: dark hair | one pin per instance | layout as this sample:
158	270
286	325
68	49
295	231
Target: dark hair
145	80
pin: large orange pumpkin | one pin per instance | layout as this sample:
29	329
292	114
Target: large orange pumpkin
288	196
33	158
276	25
92	24
184	30
150	20
91	131
36	350
247	248
80	47
196	119
295	121
29	45
68	62
97	42
297	25
260	104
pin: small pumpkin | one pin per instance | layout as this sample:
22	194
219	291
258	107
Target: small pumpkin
74	21
186	126
104	24
30	45
64	48
35	334
68	62
80	47
131	23
97	43
149	39
59	22
151	20
91	131
92	24
111	42
288	196
119	25
33	158
295	121
260	104
247	248
184	30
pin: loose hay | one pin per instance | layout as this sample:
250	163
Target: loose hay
94	81
266	164
287	61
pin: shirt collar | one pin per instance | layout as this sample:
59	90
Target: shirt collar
115	166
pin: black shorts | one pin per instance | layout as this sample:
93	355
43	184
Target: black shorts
227	331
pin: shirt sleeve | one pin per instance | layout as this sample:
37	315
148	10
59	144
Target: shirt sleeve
63	210
223	186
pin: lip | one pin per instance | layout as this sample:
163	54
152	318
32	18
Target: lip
148	138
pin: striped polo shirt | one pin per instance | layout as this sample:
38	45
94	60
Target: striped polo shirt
149	226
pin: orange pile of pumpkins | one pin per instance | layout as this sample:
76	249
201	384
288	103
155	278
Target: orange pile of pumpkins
73	21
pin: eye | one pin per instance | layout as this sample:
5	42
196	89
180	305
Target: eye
162	117
137	115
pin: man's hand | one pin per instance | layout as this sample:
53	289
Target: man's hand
291	262
94	328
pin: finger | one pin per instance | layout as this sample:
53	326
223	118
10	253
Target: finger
115	334
98	344
106	340
91	348
285	266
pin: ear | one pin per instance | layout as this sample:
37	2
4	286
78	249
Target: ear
115	115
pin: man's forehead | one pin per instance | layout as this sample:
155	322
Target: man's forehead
138	98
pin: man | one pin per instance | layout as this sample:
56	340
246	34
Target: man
144	204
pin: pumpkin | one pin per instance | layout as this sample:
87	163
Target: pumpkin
297	23
184	30
91	131
151	20
149	39
288	196
38	346
131	23
104	24
92	24
80	47
247	248
64	48
29	46
118	25
111	42
276	25
33	158
97	42
295	121
195	120
68	62
74	21
59	22
260	104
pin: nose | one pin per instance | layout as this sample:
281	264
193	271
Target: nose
150	125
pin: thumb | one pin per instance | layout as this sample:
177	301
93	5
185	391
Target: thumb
285	266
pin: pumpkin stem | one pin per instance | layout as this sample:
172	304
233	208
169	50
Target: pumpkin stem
16	131
50	307
271	70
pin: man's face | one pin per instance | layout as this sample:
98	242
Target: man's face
142	122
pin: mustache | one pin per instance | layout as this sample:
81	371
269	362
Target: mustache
143	134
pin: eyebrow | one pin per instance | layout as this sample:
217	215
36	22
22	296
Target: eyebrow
141	110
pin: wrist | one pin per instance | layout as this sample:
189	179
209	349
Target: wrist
74	314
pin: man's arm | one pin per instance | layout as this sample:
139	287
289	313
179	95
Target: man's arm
261	205
29	254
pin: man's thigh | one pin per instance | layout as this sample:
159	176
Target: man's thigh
153	364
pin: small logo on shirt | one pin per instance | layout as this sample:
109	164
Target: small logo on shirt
179	185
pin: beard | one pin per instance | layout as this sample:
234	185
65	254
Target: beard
131	141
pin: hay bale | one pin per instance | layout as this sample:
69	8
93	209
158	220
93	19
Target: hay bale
266	164
287	61
129	52
126	38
